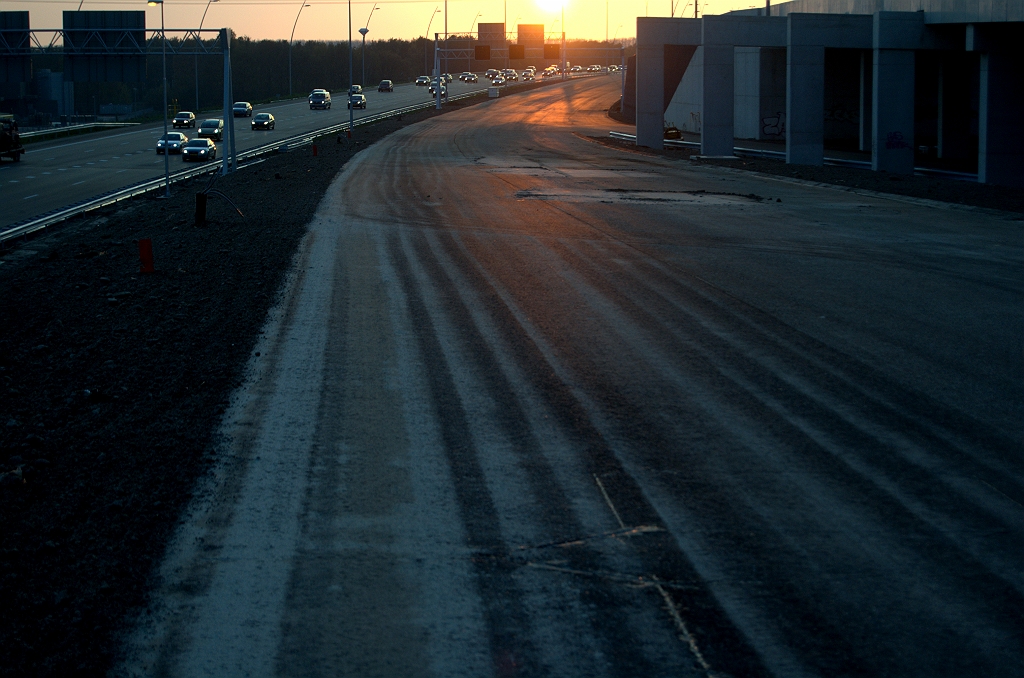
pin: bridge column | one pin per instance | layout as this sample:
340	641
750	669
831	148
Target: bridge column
717	129
1000	102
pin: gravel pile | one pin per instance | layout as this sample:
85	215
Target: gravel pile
112	384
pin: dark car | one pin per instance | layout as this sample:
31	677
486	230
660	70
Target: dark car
10	139
184	119
319	98
357	101
242	109
171	142
492	73
211	129
433	90
386	86
199	149
262	121
499	81
422	81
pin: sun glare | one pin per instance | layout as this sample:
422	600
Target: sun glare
550	5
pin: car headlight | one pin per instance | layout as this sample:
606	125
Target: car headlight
202	152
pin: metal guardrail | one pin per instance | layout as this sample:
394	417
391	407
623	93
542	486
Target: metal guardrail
781	155
73	128
50	218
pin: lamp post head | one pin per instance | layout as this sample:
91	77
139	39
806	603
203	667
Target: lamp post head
364	31
154	3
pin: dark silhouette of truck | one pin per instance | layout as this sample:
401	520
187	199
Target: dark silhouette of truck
10	140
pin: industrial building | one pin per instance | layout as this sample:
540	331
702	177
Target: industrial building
908	80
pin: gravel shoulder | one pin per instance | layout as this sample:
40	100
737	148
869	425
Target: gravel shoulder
113	383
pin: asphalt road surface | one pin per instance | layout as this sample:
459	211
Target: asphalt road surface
532	406
63	172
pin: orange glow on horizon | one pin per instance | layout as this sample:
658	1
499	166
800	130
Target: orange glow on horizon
403	19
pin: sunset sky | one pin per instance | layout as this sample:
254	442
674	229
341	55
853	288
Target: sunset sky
328	19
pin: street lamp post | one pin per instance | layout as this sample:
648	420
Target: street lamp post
167	153
469	59
304	6
351	111
199	37
564	74
437	10
363	31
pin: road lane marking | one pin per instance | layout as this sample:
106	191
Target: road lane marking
47	173
119	171
47	159
78	182
13	181
29	197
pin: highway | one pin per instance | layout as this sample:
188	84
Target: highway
534	406
58	173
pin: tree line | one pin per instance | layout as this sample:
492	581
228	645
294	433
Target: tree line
260	72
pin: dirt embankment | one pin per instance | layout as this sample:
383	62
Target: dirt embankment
112	384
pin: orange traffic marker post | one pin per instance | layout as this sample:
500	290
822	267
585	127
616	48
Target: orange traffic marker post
146	256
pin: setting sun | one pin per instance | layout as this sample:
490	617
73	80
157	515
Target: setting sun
551	5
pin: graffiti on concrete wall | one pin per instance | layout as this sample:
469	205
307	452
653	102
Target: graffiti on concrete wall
895	140
840	114
774	125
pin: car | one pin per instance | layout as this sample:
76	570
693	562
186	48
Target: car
184	119
510	74
320	98
171	143
199	149
386	86
262	121
499	81
447	77
355	89
463	75
576	69
422	81
357	101
242	109
593	68
433	90
472	77
10	139
492	73
528	77
211	129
